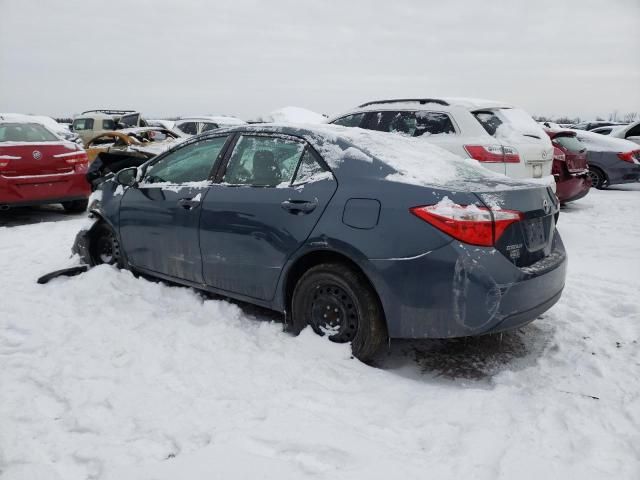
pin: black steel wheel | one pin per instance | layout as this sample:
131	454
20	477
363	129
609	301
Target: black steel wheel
598	179
105	248
339	303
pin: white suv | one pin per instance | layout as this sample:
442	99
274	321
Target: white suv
503	138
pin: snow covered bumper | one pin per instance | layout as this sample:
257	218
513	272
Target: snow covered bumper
461	290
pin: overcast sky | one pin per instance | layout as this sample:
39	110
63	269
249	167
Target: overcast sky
250	57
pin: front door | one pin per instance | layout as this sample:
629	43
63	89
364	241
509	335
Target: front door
159	218
272	193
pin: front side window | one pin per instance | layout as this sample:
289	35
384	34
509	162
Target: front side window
263	161
83	124
350	120
25	132
192	163
190	128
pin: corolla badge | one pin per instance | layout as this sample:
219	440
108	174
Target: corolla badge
36	155
546	207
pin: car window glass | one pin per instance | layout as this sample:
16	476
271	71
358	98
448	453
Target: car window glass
633	132
570	143
263	161
350	120
190	128
309	169
207	126
433	123
25	132
489	121
108	124
192	163
83	124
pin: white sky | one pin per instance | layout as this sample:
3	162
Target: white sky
248	57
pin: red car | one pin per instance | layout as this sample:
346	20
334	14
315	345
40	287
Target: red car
37	167
569	166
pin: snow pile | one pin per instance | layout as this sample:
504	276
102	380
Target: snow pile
113	377
292	115
596	142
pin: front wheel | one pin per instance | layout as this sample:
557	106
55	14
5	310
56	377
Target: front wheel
338	302
75	206
104	247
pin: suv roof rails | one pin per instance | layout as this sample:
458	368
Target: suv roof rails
421	101
109	112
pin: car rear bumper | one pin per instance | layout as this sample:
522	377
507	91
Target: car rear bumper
570	188
622	172
43	189
461	290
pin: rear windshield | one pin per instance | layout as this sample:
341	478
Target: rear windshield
569	142
516	119
25	132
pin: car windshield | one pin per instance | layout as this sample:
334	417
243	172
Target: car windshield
570	143
25	132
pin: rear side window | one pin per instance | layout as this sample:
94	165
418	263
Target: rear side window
515	118
310	169
350	120
83	124
413	124
108	124
489	121
207	126
571	143
263	161
25	132
192	163
190	128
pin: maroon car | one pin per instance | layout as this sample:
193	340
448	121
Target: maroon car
569	166
37	167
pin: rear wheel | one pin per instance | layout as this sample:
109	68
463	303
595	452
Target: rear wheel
105	248
75	206
338	302
598	178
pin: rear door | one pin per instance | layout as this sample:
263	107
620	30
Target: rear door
270	195
159	218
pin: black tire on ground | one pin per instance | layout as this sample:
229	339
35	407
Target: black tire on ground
75	206
598	178
338	302
104	247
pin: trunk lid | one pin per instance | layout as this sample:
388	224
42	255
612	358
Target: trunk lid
30	158
529	240
575	152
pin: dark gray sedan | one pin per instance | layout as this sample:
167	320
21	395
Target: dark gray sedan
362	235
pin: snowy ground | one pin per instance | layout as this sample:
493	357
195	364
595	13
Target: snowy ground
112	377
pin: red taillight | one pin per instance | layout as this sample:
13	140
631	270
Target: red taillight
629	156
73	158
468	223
493	153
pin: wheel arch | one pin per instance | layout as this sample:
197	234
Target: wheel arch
312	258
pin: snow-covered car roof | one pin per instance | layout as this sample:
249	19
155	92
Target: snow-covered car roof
440	103
292	115
48	122
410	160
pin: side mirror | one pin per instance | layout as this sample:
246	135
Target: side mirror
128	177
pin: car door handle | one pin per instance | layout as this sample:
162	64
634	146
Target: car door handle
298	207
188	203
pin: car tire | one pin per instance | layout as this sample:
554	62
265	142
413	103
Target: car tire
336	301
598	178
75	206
104	248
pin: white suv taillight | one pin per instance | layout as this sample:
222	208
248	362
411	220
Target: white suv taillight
493	153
